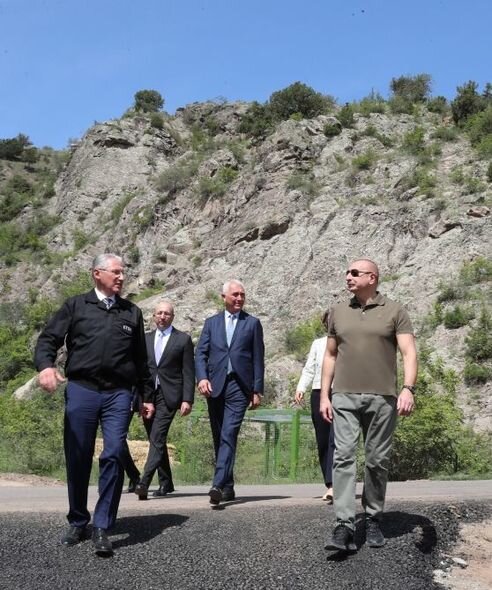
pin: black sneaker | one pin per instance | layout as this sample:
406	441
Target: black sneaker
374	536
342	539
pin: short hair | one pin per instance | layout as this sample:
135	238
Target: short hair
101	260
229	282
325	318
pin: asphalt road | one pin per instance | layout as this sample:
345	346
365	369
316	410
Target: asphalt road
271	537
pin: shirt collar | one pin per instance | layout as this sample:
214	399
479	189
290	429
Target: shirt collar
165	332
102	296
378	299
228	314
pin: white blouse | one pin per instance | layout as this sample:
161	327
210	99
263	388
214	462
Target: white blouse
311	374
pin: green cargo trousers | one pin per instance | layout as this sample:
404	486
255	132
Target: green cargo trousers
375	415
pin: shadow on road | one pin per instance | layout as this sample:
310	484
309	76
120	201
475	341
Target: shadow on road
141	529
398	524
247	499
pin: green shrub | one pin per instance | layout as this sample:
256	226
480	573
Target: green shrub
346	116
457	175
476	271
449	292
457	317
148	101
489	172
445	133
475	374
156	121
298	98
365	161
467	102
373	103
399	105
117	210
144	217
484	147
178	176
303	181
32	432
80	239
217	186
438	104
479	126
371	131
298	340
479	340
332	129
13	148
411	88
414	141
257	121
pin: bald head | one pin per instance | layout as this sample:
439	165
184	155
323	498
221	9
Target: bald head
362	278
368	265
163	314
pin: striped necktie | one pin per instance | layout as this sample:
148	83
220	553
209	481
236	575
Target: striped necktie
108	302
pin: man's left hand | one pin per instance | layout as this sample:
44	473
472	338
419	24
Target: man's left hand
406	403
147	410
255	401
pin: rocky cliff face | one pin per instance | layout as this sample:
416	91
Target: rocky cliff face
285	215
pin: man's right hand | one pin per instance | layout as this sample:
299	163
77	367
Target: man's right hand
50	378
205	387
325	409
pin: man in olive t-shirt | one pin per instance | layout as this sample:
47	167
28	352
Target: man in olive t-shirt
359	368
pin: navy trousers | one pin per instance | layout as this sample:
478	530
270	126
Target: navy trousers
84	411
226	413
325	439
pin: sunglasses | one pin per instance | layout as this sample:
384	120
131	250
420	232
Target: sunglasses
355	272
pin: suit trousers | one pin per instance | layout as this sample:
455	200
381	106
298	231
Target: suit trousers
325	439
158	458
226	413
85	409
129	464
375	415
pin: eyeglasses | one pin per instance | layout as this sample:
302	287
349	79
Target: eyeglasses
356	272
116	273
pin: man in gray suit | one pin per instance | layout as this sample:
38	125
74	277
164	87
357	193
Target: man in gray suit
170	360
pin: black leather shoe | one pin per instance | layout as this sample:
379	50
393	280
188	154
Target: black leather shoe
228	495
215	494
162	492
132	485
102	545
342	539
374	535
142	491
74	535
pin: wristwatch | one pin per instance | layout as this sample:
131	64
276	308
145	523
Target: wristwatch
410	388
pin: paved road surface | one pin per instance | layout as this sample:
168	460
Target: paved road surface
272	538
19	498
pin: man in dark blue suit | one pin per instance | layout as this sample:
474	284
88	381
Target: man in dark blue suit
229	366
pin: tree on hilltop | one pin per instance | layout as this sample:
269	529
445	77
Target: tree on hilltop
148	101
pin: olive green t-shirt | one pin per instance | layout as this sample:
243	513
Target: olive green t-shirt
366	342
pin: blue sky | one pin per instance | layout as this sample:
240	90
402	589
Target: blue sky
67	63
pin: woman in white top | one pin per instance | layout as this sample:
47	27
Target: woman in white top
311	376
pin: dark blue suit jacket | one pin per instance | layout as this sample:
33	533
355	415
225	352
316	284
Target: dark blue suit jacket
247	353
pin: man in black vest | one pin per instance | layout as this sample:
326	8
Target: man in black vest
170	359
